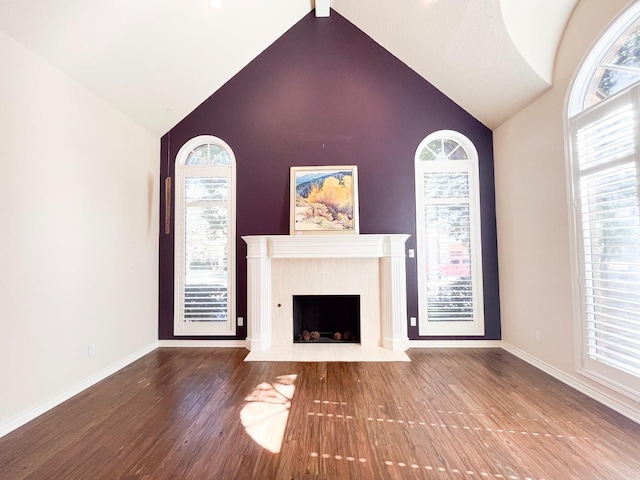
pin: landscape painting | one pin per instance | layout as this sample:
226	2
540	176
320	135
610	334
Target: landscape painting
324	199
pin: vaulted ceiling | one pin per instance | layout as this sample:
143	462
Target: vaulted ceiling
155	61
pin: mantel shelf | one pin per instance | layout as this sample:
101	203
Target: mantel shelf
325	246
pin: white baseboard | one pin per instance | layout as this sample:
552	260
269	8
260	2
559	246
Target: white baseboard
582	387
202	343
455	343
25	417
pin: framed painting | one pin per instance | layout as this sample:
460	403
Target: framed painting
324	200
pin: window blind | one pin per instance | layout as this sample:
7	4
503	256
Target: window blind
605	155
447	246
205	269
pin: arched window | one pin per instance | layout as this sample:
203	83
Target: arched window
205	238
611	66
604	140
448	239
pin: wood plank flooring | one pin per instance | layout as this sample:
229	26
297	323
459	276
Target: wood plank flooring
206	414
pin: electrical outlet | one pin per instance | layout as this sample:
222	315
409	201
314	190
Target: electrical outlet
240	321
412	253
413	321
91	350
538	336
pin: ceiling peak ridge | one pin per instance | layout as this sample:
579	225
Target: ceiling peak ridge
323	8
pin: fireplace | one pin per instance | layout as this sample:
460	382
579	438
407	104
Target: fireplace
326	318
371	267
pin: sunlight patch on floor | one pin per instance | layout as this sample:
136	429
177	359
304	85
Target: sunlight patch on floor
264	416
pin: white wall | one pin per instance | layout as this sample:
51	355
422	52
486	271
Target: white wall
532	214
78	235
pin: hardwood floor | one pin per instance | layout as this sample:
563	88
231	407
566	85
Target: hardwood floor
206	414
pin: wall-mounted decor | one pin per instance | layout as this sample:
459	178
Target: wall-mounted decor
324	200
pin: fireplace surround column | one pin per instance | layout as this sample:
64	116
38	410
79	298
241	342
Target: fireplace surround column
258	295
393	297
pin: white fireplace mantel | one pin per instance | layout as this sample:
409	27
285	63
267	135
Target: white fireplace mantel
387	326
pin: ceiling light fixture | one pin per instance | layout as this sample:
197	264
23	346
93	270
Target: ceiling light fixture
215	4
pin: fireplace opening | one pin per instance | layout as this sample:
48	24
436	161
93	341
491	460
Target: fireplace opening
326	318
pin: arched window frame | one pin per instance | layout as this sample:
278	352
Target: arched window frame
468	166
183	171
596	58
616	122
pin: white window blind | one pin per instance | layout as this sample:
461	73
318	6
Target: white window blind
447	247
605	182
205	264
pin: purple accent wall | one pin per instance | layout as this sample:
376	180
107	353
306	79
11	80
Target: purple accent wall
326	94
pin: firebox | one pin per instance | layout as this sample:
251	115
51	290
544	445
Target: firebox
326	318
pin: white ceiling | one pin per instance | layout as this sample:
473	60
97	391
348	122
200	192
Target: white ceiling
155	61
